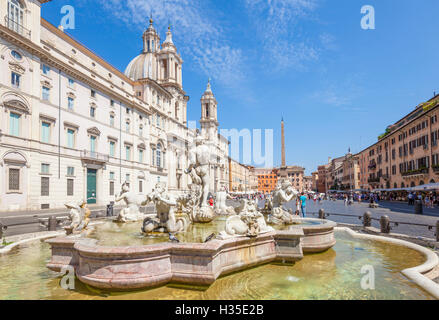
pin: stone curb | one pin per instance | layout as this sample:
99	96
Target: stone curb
416	274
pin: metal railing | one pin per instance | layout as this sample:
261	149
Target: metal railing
385	222
16	27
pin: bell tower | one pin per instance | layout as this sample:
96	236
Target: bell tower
209	116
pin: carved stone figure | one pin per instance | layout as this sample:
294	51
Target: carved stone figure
198	170
221	208
79	217
132	212
165	205
283	193
248	222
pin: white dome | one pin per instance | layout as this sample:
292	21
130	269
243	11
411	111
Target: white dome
139	68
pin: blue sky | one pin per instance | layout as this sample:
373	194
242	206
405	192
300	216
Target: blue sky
335	84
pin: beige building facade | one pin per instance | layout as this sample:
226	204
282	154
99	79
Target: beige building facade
73	127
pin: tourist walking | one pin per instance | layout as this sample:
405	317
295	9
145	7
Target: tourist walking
303	204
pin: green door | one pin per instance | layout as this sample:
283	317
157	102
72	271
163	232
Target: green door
91	186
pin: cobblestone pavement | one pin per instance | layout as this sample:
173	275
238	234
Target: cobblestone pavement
393	210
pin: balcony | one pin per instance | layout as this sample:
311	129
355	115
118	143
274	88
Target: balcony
373	180
415	172
18	28
94	156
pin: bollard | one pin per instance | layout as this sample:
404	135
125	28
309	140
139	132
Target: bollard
322	214
2	229
367	219
110	209
52	224
437	231
385	224
418	207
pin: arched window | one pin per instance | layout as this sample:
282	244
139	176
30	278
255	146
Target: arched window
159	155
421	183
207	111
412	184
402	185
432	181
395	185
15	15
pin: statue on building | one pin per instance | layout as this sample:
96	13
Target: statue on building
165	221
132	211
198	170
283	193
221	208
247	222
79	217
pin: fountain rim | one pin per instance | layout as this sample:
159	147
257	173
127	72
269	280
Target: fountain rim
417	273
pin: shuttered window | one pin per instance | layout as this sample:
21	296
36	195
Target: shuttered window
70	183
14	124
45	186
14	179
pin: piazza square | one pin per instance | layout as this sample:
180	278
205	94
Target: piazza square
210	151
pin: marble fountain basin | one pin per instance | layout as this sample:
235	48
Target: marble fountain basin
191	263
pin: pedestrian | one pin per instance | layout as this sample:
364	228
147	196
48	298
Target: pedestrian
303	204
297	206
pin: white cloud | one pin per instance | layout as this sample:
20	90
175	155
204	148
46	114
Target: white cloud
277	25
196	33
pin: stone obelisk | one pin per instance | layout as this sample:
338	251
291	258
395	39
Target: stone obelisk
283	143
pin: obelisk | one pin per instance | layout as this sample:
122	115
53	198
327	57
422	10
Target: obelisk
283	143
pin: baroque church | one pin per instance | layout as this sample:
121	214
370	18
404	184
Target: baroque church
74	127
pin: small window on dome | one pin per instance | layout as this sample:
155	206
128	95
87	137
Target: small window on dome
16	55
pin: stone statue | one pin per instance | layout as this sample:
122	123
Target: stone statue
165	221
248	222
79	217
198	170
283	193
221	207
132	212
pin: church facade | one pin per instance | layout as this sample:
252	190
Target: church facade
73	127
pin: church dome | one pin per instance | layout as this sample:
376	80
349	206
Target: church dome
138	67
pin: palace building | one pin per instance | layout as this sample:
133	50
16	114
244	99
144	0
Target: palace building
74	127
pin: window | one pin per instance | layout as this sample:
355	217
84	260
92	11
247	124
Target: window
159	156
70	183
140	186
93	93
45	186
128	153
70	171
14	124
70	138
92	143
127	177
15	15
70	103
92	112
112	148
141	156
14	179
45	168
158	120
112	103
141	131
15	80
71	83
112	120
46	93
111	188
112	175
46	69
127	126
16	55
45	132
